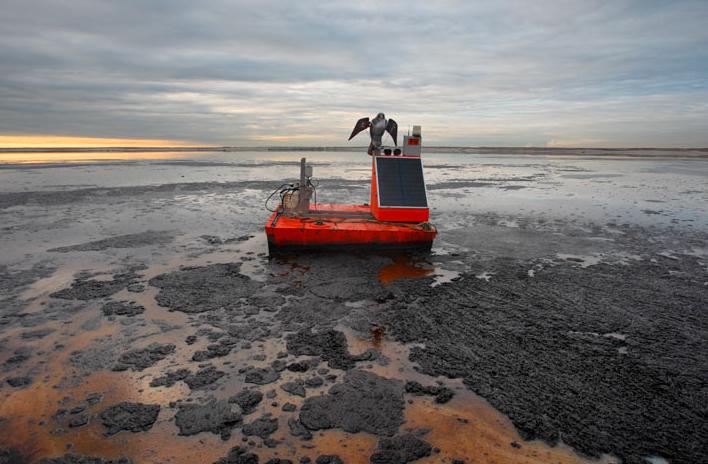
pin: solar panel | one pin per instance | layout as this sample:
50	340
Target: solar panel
400	182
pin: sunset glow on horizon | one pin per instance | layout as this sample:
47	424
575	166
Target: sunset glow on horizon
67	141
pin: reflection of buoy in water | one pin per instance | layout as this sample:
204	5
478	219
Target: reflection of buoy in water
402	268
396	217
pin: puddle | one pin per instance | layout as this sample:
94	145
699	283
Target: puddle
356	304
656	460
534	269
403	267
613	335
582	260
442	276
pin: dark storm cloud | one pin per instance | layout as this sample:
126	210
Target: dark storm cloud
513	72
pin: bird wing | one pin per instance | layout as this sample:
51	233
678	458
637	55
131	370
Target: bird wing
360	125
392	129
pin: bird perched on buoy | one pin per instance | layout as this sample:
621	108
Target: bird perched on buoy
377	127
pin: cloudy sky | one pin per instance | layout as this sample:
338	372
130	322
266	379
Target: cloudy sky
231	72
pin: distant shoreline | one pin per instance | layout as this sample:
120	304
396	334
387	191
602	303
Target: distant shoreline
541	151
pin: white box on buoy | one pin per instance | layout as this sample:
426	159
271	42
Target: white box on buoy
412	143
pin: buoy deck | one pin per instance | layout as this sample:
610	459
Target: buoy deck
336	226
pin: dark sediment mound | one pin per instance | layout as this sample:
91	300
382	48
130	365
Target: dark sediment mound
326	285
79	421
36	334
248	400
289	407
13	456
299	430
329	459
442	394
199	379
330	345
140	359
363	402
296	387
298	367
82	289
19	382
93	398
203	377
80	459
215	350
278	364
19	357
149	237
314	382
400	449
217	417
200	289
122	308
135	288
262	376
238	455
171	378
261	427
134	417
598	355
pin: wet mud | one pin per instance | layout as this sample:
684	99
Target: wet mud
524	337
89	289
362	402
140	359
401	449
248	400
217	417
71	458
262	427
122	241
133	417
201	289
442	394
567	360
60	197
122	308
330	346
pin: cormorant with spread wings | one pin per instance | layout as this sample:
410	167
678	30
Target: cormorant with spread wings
377	127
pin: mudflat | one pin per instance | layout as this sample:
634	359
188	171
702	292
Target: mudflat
560	317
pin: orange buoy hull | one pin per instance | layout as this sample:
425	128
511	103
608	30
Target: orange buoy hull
332	226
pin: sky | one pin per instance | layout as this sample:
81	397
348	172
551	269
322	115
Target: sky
254	73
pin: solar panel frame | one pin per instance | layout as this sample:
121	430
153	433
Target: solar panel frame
422	201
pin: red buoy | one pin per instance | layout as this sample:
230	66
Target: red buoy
396	218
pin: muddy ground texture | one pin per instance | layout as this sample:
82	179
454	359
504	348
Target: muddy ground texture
592	337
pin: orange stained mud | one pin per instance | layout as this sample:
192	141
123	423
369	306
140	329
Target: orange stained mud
25	410
403	268
466	428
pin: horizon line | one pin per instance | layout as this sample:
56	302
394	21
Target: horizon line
227	148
